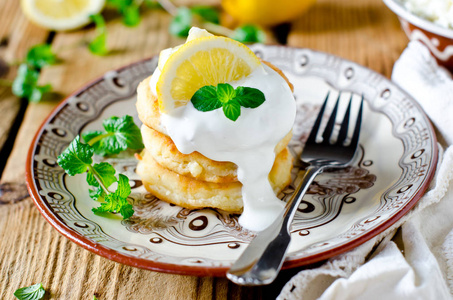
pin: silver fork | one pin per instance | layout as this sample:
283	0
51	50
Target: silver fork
261	261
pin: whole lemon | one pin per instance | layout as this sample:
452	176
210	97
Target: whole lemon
266	12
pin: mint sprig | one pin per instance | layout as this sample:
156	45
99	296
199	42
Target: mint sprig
209	98
25	85
119	134
98	45
77	159
33	292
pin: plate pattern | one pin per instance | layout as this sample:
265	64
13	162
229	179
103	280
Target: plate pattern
158	226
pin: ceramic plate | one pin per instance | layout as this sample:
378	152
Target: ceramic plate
343	208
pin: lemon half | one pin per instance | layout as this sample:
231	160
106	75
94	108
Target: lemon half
61	14
199	62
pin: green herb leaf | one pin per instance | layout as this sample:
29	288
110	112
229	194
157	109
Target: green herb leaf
117	201
98	45
120	134
97	194
232	110
77	158
25	85
38	92
224	95
249	97
225	92
206	13
181	23
90	135
40	55
249	34
131	15
104	171
33	292
129	10
205	99
152	4
25	81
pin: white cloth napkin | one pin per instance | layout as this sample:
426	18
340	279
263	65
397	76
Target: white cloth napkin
416	263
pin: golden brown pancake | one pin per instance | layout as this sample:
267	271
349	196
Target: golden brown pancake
191	193
164	151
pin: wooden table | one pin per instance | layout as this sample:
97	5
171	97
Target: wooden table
31	250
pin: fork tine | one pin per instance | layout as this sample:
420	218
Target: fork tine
315	128
331	123
355	136
344	125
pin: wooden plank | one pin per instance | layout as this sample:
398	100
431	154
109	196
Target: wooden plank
17	35
364	31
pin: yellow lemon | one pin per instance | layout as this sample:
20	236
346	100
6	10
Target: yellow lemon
61	14
207	60
266	12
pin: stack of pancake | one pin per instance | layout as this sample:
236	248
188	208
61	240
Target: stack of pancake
193	180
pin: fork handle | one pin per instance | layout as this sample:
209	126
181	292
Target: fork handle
263	258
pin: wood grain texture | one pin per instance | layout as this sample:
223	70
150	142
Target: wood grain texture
32	251
16	35
366	32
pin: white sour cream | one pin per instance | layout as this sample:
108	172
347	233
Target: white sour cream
249	142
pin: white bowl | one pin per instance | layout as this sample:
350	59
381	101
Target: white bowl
438	39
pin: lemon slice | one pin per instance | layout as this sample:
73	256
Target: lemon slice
207	60
194	33
61	14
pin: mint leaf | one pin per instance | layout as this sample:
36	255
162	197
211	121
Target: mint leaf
104	171
206	13
39	91
40	55
249	97
225	92
77	158
152	4
124	189
131	15
90	135
129	10
224	95
181	23
120	134
98	45
249	34
97	193
232	110
33	292
117	201
100	176
25	81
25	85
205	99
